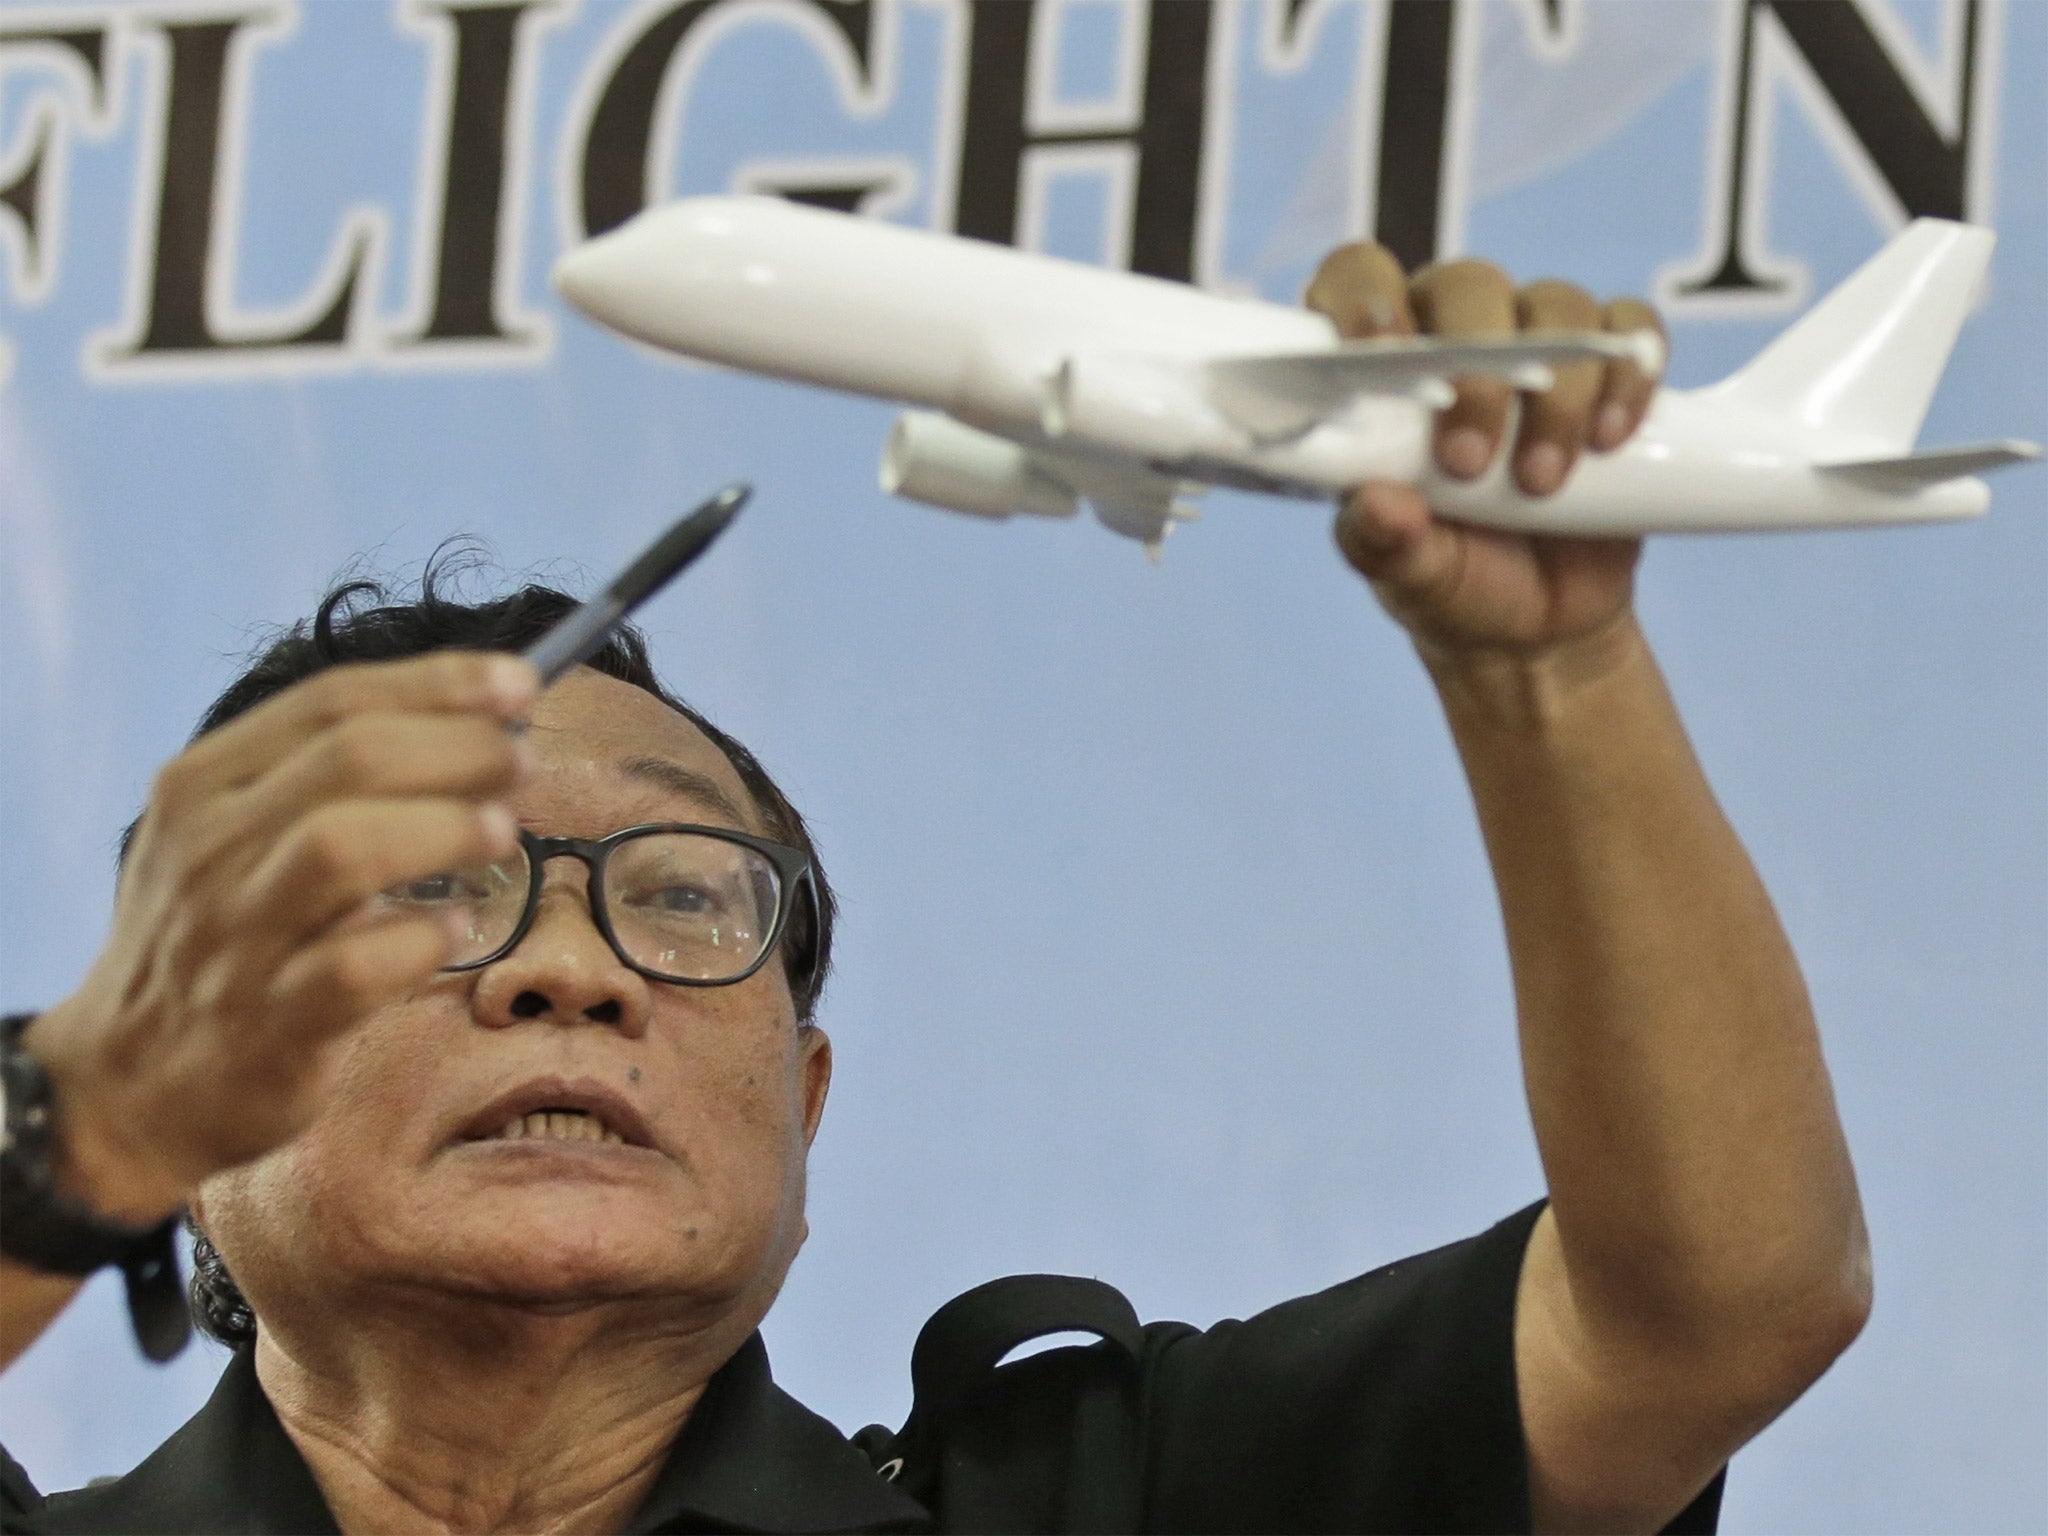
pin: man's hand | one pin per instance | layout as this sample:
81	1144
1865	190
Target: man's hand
1463	589
242	946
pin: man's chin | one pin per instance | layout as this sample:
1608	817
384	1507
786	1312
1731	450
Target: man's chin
567	1244
529	1163
550	1267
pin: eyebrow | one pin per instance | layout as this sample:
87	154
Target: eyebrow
687	783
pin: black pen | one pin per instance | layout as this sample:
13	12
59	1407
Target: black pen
580	635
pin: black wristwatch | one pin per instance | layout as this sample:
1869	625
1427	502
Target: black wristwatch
43	1228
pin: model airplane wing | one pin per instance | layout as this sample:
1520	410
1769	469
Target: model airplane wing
1284	394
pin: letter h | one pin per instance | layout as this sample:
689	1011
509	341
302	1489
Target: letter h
995	137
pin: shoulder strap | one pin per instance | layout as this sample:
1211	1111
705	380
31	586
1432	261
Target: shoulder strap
971	1334
956	1356
17	1494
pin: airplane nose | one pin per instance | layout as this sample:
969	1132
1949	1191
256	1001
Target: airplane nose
671	276
599	278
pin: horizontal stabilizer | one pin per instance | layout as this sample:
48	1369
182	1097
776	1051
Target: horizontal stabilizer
1285	394
1910	471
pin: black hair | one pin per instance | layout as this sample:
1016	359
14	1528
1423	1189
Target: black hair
356	621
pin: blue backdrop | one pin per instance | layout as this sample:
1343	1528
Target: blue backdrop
1169	953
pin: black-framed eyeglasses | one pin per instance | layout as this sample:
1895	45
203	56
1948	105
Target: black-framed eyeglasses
699	906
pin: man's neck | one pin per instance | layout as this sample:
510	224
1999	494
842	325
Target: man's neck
508	1421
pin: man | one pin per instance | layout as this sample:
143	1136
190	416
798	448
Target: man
508	1167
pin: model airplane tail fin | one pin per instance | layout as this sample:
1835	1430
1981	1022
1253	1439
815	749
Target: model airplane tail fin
1866	358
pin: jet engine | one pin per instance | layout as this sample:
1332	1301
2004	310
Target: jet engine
936	460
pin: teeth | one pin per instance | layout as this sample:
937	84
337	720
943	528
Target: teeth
560	1125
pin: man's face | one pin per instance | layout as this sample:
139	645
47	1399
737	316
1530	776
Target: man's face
392	1185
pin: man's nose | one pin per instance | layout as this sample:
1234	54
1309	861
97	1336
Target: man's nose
563	971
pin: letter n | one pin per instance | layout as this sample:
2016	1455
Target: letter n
1889	131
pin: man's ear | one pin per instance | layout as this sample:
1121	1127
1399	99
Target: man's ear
815	1067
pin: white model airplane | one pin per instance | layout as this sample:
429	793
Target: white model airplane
1047	382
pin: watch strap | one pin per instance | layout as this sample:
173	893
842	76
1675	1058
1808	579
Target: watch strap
44	1229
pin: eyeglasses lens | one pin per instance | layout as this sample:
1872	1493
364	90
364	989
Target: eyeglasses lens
488	897
692	907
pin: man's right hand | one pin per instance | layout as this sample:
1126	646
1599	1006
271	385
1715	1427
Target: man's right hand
241	947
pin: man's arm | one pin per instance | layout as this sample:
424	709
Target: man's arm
29	1303
1704	1257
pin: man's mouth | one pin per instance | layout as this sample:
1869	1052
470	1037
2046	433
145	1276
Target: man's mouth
555	1125
567	1110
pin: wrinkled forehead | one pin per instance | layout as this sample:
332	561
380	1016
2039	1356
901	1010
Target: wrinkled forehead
611	755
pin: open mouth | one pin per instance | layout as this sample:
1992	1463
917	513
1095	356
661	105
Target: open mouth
560	1110
555	1125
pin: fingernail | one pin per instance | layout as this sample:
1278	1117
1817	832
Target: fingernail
1612	426
1543	468
1465	453
513	683
500	830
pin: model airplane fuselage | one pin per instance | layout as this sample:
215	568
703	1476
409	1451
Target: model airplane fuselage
1046	382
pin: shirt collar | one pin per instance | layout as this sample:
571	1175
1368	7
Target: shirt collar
231	1467
753	1458
750	1458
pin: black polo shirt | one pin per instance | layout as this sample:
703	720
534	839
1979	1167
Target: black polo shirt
1387	1403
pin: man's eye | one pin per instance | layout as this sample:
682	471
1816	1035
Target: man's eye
682	900
429	889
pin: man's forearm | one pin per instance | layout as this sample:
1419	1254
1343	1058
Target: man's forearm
1698	1175
29	1302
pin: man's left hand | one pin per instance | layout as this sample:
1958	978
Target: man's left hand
1457	588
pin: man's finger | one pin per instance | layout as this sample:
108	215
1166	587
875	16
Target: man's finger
342	855
389	757
1363	290
1465	299
1626	390
329	986
1386	534
444	682
1556	421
